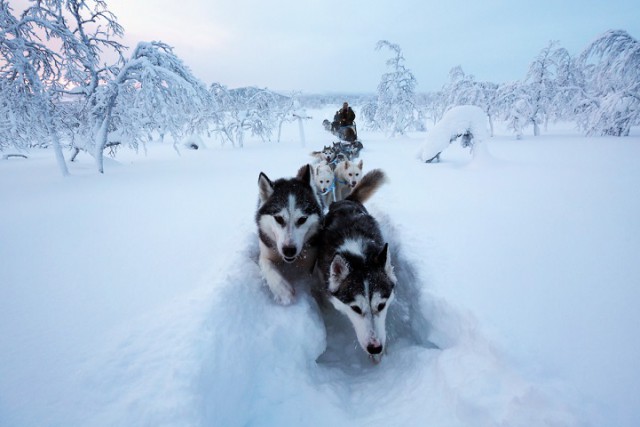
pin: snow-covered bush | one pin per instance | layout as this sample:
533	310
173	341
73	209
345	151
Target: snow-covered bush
465	122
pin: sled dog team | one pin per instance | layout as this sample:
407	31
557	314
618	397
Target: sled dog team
335	173
303	232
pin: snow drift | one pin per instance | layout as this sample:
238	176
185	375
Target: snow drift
234	357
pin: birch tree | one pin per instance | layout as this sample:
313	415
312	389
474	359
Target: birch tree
153	91
611	103
395	110
30	75
250	109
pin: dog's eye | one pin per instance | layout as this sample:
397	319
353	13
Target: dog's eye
279	220
381	306
301	221
356	309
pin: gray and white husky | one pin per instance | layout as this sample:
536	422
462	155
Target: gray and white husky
354	265
288	218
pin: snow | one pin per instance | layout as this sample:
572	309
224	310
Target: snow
134	297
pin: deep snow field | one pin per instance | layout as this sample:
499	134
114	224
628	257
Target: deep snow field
133	298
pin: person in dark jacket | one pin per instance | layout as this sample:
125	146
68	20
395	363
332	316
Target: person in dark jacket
345	116
343	125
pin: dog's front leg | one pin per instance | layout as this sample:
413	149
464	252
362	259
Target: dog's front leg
281	289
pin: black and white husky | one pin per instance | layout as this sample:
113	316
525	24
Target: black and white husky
355	266
288	219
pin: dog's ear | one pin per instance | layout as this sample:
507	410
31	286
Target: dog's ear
338	271
360	164
265	186
304	174
383	259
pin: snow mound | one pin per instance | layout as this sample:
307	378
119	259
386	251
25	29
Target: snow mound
229	355
457	121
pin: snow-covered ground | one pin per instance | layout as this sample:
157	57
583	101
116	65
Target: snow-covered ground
133	298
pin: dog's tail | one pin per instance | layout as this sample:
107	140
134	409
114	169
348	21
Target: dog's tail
367	186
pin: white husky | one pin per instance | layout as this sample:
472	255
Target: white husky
348	174
324	178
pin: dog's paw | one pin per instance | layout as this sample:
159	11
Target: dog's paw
285	296
283	292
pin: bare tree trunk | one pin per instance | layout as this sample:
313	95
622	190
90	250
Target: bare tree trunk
57	148
59	156
103	134
490	125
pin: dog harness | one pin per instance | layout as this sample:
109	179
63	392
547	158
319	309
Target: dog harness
331	189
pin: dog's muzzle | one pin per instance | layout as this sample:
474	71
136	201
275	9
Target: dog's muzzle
374	349
289	253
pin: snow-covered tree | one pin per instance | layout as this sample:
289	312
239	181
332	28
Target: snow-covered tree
463	89
540	87
30	76
74	33
250	109
611	66
432	105
154	91
395	110
467	123
511	102
570	88
86	29
534	100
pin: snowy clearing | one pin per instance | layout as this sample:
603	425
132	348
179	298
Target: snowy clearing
133	298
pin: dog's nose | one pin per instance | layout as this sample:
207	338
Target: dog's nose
289	251
374	349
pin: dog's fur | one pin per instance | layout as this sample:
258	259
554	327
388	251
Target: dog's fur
324	178
348	174
354	265
288	218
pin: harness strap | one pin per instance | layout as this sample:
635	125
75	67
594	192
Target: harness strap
331	189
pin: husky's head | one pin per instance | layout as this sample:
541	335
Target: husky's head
289	213
323	177
350	172
328	153
362	288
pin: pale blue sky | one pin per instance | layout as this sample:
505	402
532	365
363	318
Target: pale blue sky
329	46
